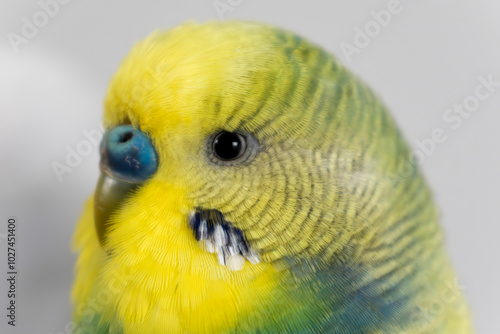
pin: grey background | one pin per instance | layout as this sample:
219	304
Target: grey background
428	58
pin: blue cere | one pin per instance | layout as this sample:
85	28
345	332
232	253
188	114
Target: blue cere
127	153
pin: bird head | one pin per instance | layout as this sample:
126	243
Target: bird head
232	151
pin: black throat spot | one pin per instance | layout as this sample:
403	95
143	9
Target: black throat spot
217	235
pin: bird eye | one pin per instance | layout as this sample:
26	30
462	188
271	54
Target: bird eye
229	145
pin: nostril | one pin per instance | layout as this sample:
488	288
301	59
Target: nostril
125	137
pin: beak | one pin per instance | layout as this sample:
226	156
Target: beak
128	159
109	194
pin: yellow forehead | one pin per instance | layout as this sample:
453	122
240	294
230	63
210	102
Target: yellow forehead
201	78
195	74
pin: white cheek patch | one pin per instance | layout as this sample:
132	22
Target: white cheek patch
218	236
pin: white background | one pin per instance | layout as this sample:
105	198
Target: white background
426	59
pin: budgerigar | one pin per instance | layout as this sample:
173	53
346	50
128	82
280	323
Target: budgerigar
251	184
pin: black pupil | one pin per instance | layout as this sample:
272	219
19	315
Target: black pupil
228	145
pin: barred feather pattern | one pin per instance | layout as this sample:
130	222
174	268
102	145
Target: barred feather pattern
343	220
